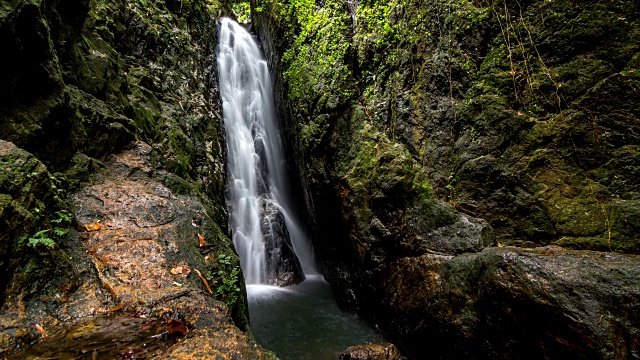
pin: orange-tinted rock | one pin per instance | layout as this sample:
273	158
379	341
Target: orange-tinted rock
372	351
138	297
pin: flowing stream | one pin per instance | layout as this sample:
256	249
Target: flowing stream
300	321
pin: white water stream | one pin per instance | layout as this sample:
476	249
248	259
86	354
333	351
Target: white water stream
257	167
297	322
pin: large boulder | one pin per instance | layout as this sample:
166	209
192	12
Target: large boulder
513	303
283	266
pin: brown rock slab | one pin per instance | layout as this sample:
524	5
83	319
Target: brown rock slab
378	350
133	302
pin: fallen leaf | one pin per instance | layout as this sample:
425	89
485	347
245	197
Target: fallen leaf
94	226
41	331
115	308
201	240
206	249
206	283
209	258
184	271
177	326
110	261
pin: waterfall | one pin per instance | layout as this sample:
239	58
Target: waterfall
267	234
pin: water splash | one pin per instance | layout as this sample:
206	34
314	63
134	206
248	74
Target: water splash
257	167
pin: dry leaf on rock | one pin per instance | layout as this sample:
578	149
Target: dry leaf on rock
94	226
184	271
115	308
201	240
177	326
41	331
206	283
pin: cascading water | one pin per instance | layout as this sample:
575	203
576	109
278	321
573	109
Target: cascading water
267	235
301	321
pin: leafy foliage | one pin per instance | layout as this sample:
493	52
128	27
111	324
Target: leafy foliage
60	228
242	11
317	62
225	279
40	238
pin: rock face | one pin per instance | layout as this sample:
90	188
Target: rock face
31	207
513	303
433	130
283	266
137	233
117	103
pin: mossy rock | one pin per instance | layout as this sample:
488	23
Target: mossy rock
29	200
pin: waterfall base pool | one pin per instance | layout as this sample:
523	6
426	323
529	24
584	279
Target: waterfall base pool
304	321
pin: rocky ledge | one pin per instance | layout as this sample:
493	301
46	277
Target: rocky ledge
147	264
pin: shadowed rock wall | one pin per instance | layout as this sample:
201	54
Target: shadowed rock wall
110	112
438	128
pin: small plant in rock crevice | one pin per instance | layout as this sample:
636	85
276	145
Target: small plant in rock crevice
225	279
40	238
60	228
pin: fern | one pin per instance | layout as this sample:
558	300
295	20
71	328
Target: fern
40	238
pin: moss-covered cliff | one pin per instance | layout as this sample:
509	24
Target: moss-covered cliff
110	115
425	127
514	111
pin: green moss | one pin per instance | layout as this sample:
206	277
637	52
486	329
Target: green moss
544	88
316	66
181	160
145	112
313	134
614	228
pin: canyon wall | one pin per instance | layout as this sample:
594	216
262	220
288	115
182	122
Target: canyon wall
463	161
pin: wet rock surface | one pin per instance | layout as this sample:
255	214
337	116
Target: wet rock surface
131	301
371	351
513	303
283	265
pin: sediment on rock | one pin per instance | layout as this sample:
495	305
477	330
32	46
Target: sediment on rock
372	351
